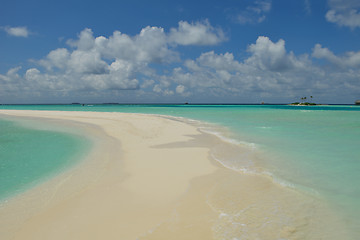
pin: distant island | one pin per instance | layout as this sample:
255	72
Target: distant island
302	103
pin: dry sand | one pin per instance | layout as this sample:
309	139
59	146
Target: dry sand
149	177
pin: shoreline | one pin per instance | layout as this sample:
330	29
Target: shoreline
82	147
138	184
157	181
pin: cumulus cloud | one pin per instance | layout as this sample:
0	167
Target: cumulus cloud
180	89
12	74
224	61
17	31
85	40
150	45
350	59
271	56
255	13
116	62
344	13
209	70
87	62
269	71
198	33
56	59
101	63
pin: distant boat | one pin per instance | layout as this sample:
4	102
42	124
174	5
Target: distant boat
357	102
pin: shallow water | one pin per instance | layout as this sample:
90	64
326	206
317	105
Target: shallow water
311	149
29	156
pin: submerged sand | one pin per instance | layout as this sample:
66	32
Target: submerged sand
150	177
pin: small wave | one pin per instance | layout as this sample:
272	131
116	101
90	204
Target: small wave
279	181
227	139
288	184
232	167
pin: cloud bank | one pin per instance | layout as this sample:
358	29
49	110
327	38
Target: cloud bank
148	67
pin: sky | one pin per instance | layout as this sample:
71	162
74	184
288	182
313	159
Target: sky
140	51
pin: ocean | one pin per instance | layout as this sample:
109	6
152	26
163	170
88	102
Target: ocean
312	149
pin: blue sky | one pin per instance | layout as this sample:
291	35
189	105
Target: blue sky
230	51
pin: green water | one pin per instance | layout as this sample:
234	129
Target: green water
314	149
29	156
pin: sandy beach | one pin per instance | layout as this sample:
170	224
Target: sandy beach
149	177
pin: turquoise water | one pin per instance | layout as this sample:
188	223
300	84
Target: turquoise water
29	156
312	148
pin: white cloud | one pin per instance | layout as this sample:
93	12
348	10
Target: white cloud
147	83
101	63
320	52
344	13
269	72
222	61
157	88
11	75
168	92
350	59
180	89
255	13
57	58
17	31
87	62
149	46
198	33
37	81
85	41
114	62
271	56
210	70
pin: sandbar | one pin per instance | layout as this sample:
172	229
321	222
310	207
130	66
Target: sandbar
151	177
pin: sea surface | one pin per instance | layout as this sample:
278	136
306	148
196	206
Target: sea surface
313	149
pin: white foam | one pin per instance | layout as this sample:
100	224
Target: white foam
226	139
234	168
